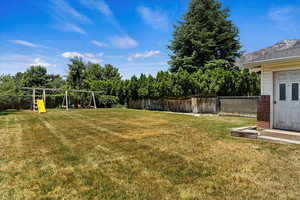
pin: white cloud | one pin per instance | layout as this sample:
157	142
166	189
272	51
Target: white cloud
13	63
100	5
66	26
146	54
136	68
123	42
154	18
138	64
105	10
39	61
94	60
63	9
89	57
14	58
99	44
281	14
25	60
26	43
66	17
71	54
285	18
100	54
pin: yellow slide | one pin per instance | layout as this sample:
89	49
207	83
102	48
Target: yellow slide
41	106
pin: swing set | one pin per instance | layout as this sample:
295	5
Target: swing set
82	96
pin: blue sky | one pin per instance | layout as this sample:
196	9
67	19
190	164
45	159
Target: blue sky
130	34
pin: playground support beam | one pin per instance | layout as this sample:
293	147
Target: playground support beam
33	100
44	96
61	90
93	94
67	103
66	91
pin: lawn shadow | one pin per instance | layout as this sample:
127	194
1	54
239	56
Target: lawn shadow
8	112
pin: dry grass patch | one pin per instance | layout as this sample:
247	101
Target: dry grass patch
141	134
129	154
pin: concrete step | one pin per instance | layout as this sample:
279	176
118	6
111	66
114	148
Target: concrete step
247	132
288	135
278	139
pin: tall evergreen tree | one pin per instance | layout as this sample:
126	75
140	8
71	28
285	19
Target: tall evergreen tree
76	73
205	33
110	72
35	76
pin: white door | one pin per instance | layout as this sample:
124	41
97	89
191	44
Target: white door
286	100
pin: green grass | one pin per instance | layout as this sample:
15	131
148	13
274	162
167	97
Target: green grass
134	154
7	112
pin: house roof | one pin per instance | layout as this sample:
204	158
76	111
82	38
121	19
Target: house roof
256	70
284	50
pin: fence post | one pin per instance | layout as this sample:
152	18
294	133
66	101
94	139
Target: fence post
194	105
218	104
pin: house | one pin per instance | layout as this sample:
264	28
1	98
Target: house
279	105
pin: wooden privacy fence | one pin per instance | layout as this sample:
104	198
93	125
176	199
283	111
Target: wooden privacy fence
238	105
15	102
188	105
223	105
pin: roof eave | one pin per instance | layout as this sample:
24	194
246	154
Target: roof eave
270	61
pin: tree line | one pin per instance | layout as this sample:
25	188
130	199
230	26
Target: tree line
204	48
214	79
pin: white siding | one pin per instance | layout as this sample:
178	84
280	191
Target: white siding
286	112
267	82
267	78
267	88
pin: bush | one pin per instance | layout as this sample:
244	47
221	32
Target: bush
106	101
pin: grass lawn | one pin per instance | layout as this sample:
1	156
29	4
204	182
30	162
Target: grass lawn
133	154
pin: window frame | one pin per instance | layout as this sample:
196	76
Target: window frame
292	92
280	92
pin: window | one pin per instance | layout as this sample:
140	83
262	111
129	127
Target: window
282	91
295	91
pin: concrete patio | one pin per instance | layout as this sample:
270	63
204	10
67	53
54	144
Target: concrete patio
267	134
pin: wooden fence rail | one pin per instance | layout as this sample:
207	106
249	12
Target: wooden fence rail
224	105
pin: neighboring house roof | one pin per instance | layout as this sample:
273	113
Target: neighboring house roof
280	51
256	70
